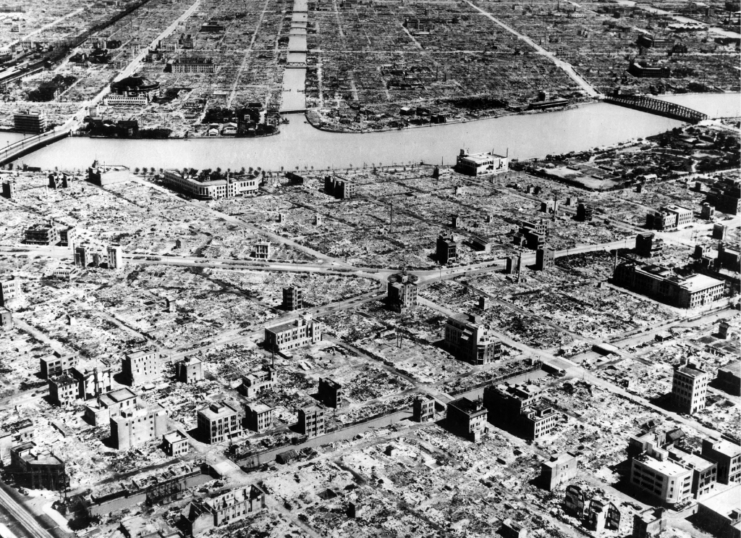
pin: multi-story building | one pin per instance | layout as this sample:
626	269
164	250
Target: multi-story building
292	334
41	234
521	409
126	100
649	523
689	388
669	218
720	515
727	196
54	365
311	421
219	421
109	405
728	457
446	249
135	86
10	290
704	472
200	185
175	444
477	164
6	319
544	258
339	187
662	284
293	299
558	470
189	370
662	479
9	189
532	233
30	122
141	367
648	245
423	408
63	389
258	382
262	250
330	392
193	65
584	212
82	258
729	377
259	417
201	516
115	257
138	425
467	418
35	468
466	338
92	381
402	292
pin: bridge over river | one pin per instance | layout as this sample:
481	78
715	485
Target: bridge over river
656	106
28	145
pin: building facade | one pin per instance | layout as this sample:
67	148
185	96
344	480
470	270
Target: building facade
219	422
466	338
423	408
689	388
292	335
728	457
293	299
467	418
311	421
477	164
520	409
189	370
258	382
141	367
330	392
138	425
202	187
35	468
402	292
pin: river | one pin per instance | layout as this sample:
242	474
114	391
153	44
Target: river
301	145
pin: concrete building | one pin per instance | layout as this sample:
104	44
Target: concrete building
533	234
729	378
656	475
544	258
200	185
669	218
330	393
175	444
82	256
200	516
189	370
727	196
520	409
648	245
63	389
92	380
292	334
720	231
54	365
423	408
720	515
728	457
293	299
6	319
558	470
219	422
34	468
193	65
513	264
10	290
259	417
584	212
30	122
138	425
650	523
704	472
689	388
477	164
662	284
446	249
141	367
512	529
258	382
41	234
466	338
311	421
402	292
339	187
467	418
109	405
9	189
262	250
115	257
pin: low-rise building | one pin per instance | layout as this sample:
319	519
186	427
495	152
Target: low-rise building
330	392
34	468
30	122
466	338
175	443
311	421
293	334
720	515
193	65
728	457
54	365
648	245
258	382
467	418
729	378
558	470
200	516
293	299
520	409
339	187
41	234
63	389
92	380
189	370
660	478
138	425
704	472
6	319
259	417
204	186
99	412
219	422
477	164
649	523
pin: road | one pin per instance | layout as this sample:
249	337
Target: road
21	515
566	67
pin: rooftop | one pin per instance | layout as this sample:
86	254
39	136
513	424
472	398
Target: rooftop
467	406
665	467
700	282
724	502
733	368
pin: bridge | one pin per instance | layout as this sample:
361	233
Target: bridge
658	107
23	147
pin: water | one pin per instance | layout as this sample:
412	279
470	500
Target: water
301	145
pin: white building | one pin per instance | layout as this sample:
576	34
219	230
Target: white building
476	164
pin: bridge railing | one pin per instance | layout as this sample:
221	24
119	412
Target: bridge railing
16	147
